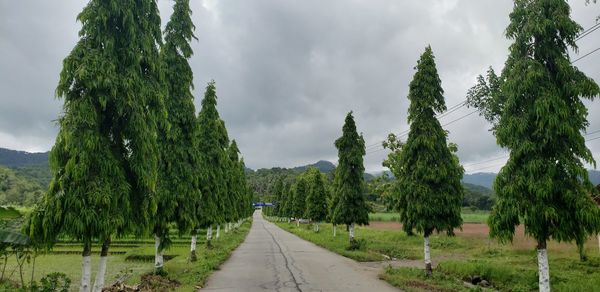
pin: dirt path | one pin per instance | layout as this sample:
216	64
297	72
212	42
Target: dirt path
271	259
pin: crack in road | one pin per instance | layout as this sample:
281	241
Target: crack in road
285	258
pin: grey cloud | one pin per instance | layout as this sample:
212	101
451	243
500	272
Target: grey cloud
288	71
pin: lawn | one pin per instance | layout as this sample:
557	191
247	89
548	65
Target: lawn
135	258
511	267
468	216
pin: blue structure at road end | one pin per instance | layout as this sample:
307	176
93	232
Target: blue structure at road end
262	204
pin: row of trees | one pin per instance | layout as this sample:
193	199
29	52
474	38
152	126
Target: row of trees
131	157
310	196
537	111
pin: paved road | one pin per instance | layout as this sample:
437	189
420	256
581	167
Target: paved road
271	259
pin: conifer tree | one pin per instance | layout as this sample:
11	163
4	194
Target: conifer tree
212	158
316	199
300	190
537	111
227	198
286	207
178	191
349	200
237	182
278	194
105	158
429	194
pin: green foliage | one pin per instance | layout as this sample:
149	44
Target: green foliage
348	201
105	159
18	190
212	160
428	194
177	188
54	282
537	110
316	199
299	193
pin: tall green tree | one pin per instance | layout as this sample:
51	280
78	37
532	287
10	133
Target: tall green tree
237	186
538	113
178	190
299	192
278	191
212	160
105	158
316	199
287	198
227	194
350	206
429	193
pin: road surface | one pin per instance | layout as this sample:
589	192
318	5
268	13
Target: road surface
271	259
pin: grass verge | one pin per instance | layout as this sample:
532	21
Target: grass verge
511	267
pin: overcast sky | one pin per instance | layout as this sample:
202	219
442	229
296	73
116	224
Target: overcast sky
287	72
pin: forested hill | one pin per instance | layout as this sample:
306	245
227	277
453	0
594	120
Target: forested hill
31	166
14	158
486	179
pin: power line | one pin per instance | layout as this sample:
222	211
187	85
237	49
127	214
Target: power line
588	31
597	49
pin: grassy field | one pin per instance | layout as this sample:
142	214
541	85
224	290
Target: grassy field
136	258
469	216
470	253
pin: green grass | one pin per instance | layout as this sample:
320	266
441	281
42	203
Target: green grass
468	216
505	267
190	275
377	244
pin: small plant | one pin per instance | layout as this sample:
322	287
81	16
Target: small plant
54	282
357	244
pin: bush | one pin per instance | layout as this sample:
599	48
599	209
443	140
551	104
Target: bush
54	282
357	244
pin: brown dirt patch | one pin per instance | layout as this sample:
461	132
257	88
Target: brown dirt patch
150	282
481	231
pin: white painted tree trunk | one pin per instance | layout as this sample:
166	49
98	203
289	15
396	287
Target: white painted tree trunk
99	283
598	242
351	232
544	270
316	227
334	230
288	220
194	240
209	233
427	255
86	274
297	222
158	254
218	231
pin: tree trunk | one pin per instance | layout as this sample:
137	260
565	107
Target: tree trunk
99	282
158	256
334	230
351	232
297	222
193	257
428	269
218	232
86	268
544	269
209	236
288	220
33	268
598	242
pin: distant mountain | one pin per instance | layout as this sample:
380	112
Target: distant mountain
322	165
14	158
31	166
486	179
